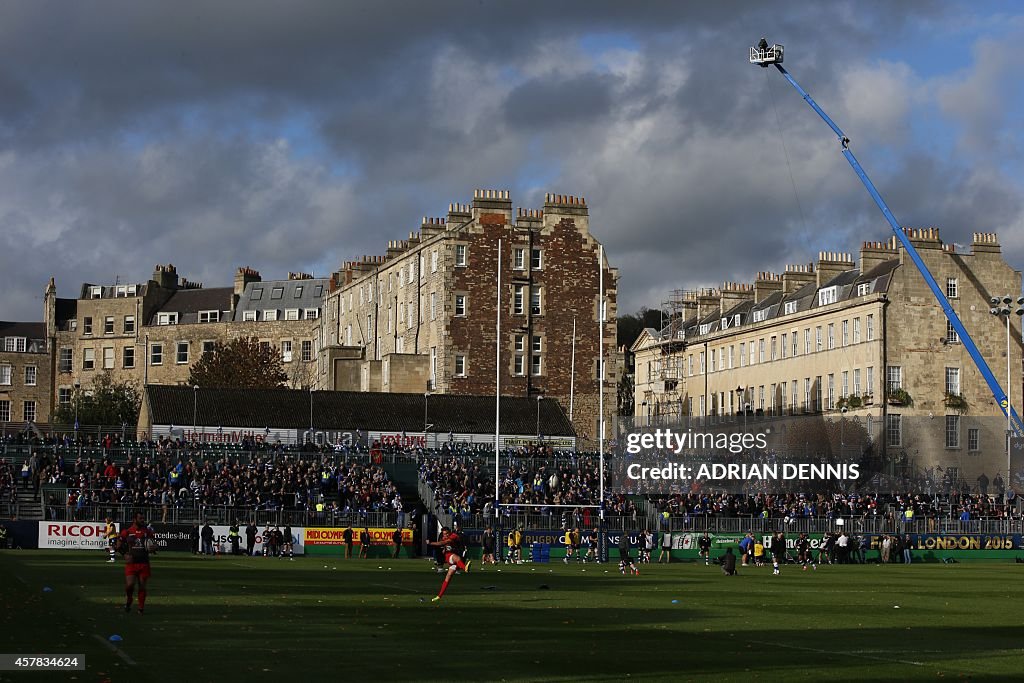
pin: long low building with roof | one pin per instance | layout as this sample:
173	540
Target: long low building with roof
347	418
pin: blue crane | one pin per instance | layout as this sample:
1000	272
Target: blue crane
765	55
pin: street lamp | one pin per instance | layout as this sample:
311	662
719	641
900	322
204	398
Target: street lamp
195	410
539	397
78	399
842	430
741	395
643	411
311	439
1001	307
426	413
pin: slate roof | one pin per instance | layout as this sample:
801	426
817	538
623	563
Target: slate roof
806	298
27	330
34	334
259	296
343	410
188	302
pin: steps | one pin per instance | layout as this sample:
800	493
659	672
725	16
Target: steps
29	506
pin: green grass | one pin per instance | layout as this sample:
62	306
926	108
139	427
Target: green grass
255	619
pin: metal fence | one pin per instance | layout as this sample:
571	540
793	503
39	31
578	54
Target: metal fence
741	525
859	525
215	514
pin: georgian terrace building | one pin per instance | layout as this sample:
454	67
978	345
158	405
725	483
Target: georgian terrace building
152	332
835	338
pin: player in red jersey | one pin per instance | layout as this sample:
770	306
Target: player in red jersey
453	550
135	543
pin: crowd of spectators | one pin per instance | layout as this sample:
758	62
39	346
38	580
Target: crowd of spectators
188	479
791	506
111	442
8	491
546	481
256	474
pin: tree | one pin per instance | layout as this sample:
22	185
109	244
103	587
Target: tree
104	402
630	326
242	363
625	394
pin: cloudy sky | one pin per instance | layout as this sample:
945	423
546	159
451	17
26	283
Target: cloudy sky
293	136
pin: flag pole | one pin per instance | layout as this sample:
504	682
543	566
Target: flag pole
497	383
572	369
600	365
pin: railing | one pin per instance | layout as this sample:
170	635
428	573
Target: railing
740	525
17	453
552	520
215	514
865	525
426	494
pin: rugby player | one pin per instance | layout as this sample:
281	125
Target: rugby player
111	535
453	550
135	544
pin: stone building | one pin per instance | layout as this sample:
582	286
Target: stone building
24	374
152	332
838	339
423	316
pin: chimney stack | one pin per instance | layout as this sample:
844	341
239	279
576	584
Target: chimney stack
765	285
243	276
796	276
874	253
831	264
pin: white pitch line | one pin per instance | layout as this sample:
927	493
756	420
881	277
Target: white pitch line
833	652
118	651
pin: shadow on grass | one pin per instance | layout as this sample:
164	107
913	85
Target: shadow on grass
228	621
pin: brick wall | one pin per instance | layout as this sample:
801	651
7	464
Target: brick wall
377	297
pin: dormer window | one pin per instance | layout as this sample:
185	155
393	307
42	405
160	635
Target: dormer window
863	289
209	316
790	307
705	328
761	315
167	319
828	295
95	292
730	321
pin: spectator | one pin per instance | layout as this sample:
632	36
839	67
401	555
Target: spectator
207	538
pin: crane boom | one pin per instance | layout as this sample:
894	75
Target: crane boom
772	56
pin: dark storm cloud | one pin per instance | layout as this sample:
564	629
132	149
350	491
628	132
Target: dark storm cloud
295	136
542	103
